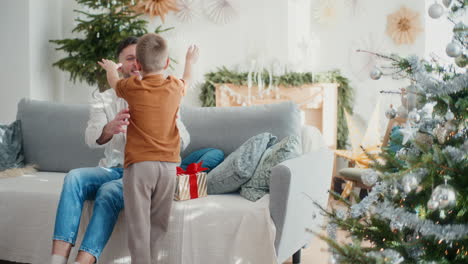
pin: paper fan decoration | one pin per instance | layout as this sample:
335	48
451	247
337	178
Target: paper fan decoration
361	63
220	11
329	12
404	26
186	10
156	7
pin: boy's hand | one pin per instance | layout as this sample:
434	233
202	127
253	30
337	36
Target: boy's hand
190	59
109	65
111	71
192	54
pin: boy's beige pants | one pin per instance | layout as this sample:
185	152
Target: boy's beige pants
148	193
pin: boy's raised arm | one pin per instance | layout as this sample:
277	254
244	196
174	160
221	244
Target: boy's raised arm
190	59
111	69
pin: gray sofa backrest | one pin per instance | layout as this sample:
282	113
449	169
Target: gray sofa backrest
226	128
53	133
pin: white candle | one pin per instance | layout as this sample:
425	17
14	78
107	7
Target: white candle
270	77
260	82
249	82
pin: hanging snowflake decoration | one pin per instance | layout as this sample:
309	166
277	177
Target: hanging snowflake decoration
404	26
361	63
187	11
329	12
220	11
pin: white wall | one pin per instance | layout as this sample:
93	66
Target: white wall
281	30
72	92
259	30
14	51
44	24
364	29
26	71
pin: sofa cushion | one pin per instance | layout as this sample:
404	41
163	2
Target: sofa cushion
209	156
59	146
53	136
259	185
312	139
226	128
238	167
11	151
396	140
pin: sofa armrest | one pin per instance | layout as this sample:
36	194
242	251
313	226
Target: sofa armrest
295	185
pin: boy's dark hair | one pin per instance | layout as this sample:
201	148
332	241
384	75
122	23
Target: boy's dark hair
125	43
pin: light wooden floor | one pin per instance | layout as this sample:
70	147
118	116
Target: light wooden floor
315	254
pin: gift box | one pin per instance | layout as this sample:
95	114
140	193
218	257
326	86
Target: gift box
191	183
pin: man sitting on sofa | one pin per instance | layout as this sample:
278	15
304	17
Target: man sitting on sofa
103	184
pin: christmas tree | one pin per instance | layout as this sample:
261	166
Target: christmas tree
417	210
106	24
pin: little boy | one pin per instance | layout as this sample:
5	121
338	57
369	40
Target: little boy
152	151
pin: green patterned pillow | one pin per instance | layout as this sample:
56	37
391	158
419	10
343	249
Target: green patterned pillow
259	185
11	150
239	166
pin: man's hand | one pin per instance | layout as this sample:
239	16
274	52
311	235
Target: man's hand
117	125
192	54
109	65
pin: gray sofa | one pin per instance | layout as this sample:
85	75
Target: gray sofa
54	141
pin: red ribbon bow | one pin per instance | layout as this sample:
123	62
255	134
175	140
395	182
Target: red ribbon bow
192	170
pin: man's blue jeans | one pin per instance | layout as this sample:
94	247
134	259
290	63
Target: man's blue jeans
104	185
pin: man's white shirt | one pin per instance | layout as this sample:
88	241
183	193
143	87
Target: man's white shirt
103	109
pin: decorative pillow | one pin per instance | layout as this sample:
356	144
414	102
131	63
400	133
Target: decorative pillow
239	166
259	185
211	158
11	150
396	139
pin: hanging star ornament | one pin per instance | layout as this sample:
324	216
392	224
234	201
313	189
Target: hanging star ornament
408	133
361	145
